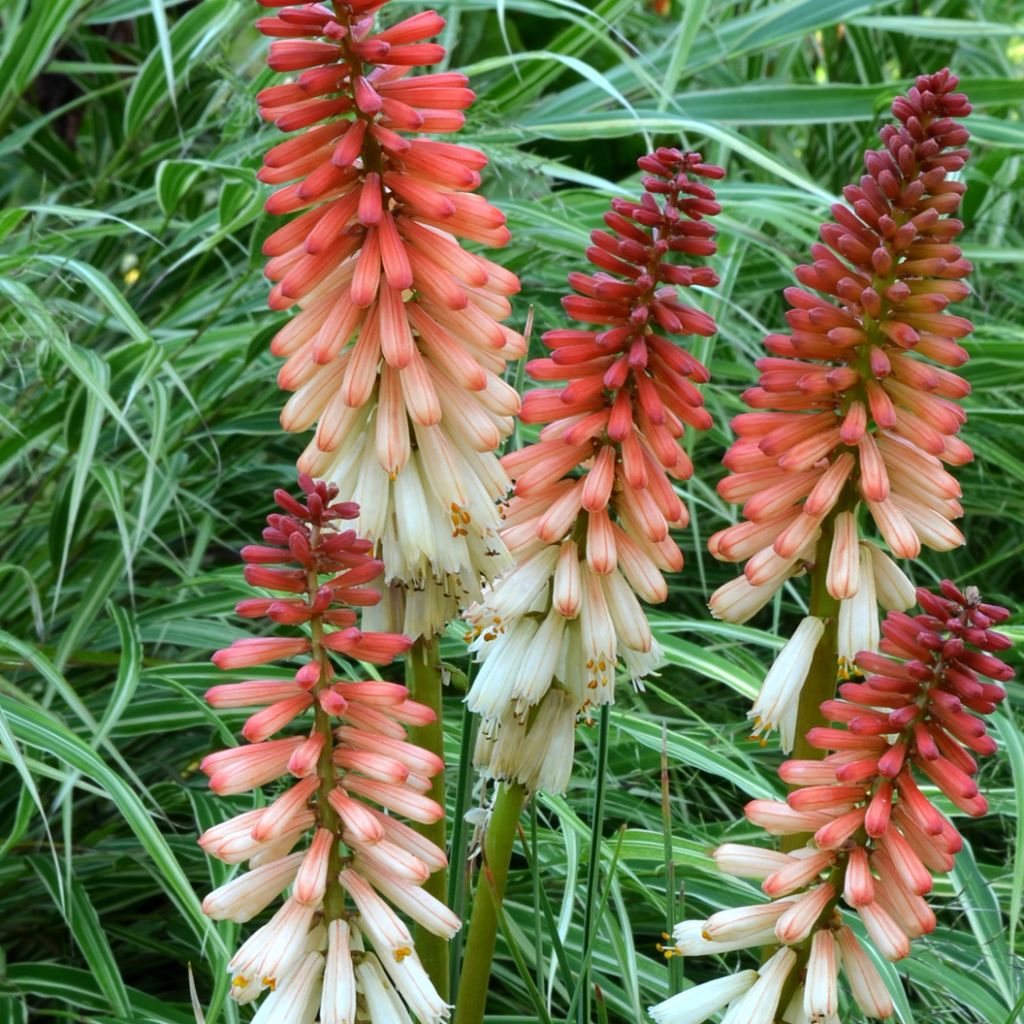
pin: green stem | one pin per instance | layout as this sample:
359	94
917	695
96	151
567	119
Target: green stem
423	678
821	679
594	867
458	875
819	687
483	926
334	896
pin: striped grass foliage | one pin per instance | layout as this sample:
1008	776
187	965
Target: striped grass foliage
138	433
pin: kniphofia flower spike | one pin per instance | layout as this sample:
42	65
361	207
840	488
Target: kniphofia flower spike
856	410
594	499
397	348
344	774
914	715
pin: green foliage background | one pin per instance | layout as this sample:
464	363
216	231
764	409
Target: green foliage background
139	446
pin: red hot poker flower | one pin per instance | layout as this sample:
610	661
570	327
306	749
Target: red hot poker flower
350	775
594	499
397	349
877	839
847	410
630	392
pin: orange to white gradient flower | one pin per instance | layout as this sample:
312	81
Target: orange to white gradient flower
595	497
396	348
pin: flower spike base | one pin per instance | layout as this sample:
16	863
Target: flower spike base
475	976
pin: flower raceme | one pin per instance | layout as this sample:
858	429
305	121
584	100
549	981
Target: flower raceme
857	405
349	774
396	351
917	714
594	501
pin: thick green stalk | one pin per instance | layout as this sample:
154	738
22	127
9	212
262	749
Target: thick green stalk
475	976
821	680
819	687
594	866
423	678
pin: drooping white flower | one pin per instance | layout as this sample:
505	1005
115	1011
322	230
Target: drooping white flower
761	1002
776	704
858	617
698	1003
244	897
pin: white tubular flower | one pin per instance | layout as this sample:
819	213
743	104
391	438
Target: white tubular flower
382	1001
776	704
537	752
539	662
748	861
423	908
894	591
517	591
743	922
844	576
272	951
242	898
410	979
566	595
696	1004
690	939
599	641
738	600
503	659
629	619
761	1002
386	931
858	617
338	998
232	841
821	988
866	984
295	999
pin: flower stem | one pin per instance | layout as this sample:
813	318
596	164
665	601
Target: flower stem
820	684
475	977
423	678
821	679
334	896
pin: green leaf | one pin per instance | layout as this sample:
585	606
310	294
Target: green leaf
43	731
191	36
986	921
699	754
27	47
87	930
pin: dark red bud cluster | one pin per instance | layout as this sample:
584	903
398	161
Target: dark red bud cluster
305	538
